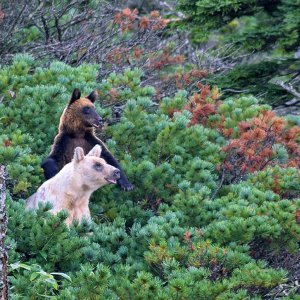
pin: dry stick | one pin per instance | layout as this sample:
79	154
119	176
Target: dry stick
289	88
3	229
58	29
15	22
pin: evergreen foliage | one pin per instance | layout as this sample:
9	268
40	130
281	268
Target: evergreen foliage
244	78
182	233
264	33
253	24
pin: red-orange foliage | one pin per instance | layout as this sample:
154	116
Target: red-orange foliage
113	93
118	55
144	23
127	17
186	78
143	50
7	143
253	149
137	52
187	239
203	104
161	60
154	14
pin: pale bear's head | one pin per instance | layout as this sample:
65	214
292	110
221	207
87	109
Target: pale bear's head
93	171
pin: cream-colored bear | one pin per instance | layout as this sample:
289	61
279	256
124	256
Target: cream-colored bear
72	187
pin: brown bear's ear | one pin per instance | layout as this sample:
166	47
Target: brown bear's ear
96	151
92	96
78	154
75	96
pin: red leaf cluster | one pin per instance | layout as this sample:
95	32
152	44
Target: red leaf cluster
127	19
123	54
113	93
253	149
7	143
187	78
118	55
203	104
187	239
161	60
137	52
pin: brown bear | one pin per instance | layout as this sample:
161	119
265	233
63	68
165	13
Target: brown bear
76	129
71	188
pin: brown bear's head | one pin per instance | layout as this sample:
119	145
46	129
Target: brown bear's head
80	114
92	171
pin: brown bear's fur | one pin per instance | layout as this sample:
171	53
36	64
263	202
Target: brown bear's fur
76	130
72	187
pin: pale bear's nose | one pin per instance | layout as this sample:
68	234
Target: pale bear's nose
117	173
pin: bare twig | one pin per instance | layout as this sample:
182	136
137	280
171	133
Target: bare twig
289	88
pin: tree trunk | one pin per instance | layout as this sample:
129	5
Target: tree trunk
3	228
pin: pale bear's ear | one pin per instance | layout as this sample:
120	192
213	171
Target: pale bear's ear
78	154
96	151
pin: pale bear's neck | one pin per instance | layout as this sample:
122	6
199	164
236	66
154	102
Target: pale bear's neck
70	188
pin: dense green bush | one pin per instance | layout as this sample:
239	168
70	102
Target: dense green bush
179	235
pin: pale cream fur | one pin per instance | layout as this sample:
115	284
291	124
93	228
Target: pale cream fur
72	187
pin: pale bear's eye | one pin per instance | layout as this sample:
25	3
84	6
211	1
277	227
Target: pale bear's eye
98	167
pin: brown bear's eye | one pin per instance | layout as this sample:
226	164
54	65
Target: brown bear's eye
86	110
98	166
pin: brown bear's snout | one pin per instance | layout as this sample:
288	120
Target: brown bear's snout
98	121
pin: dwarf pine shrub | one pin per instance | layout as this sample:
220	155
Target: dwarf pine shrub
183	233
